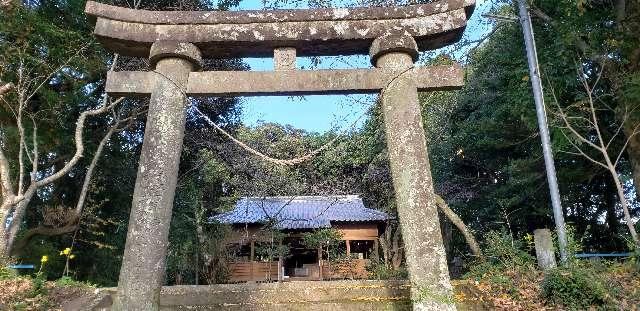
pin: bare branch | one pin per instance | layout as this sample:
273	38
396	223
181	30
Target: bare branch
55	71
42	230
624	147
78	141
21	145
593	110
569	126
92	166
34	161
5	177
582	152
613	137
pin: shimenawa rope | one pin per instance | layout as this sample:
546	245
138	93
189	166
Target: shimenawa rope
291	161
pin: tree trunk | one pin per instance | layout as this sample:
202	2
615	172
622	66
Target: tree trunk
384	245
447	233
16	222
633	150
396	250
625	206
468	236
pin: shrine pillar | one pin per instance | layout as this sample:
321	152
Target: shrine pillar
143	266
406	143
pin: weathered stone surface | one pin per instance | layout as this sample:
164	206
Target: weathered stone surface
301	292
143	264
293	82
130	83
175	49
393	43
544	249
284	59
96	10
101	300
347	295
411	174
221	34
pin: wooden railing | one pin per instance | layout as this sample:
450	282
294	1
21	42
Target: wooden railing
347	269
245	271
253	271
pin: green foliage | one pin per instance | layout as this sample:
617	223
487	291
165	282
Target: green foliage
326	239
378	270
576	287
426	294
67	281
503	251
38	287
274	249
575	243
506	260
7	273
634	259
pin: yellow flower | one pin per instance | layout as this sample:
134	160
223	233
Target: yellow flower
66	251
44	259
72	256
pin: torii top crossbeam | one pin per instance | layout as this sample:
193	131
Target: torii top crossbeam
326	32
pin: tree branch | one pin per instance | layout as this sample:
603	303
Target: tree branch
42	230
79	144
91	168
468	236
74	222
5	177
34	161
593	109
624	147
582	152
568	123
55	71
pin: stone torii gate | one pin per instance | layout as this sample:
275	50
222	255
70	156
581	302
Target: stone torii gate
175	43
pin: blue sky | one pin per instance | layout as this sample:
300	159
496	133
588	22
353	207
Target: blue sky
335	112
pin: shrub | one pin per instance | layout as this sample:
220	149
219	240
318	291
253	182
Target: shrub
634	260
379	271
575	287
502	250
7	273
38	283
69	281
502	253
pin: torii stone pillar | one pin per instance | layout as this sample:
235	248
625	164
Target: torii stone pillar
147	238
407	146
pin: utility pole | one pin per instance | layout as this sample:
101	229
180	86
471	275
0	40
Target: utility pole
534	72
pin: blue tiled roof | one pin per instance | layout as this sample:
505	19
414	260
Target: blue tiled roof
303	212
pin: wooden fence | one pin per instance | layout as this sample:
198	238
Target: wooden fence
253	271
346	269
